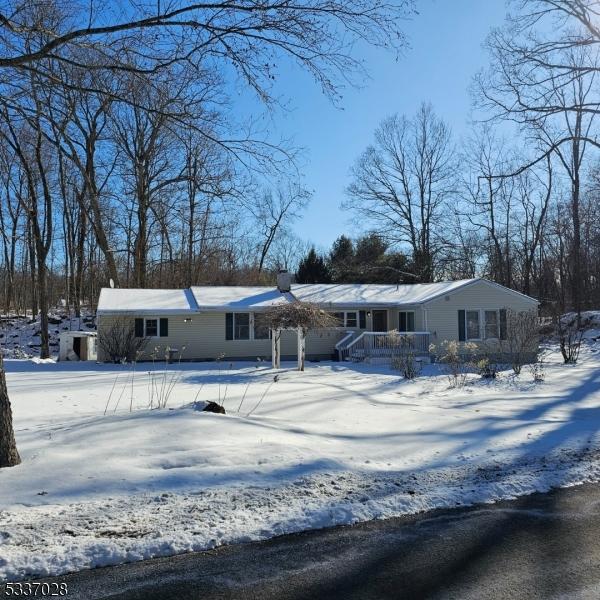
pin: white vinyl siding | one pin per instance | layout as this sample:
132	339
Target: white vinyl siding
442	312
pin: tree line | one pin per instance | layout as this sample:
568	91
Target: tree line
517	200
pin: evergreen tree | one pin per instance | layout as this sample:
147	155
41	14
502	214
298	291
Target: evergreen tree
313	269
341	260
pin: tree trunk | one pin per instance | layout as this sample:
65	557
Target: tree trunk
43	295
9	456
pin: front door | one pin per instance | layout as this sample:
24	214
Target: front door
380	320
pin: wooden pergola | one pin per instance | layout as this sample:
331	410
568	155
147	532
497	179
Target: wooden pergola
299	316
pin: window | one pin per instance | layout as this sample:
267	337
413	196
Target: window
241	326
151	327
351	319
473	325
406	320
237	326
491	324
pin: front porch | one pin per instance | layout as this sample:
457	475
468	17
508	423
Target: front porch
370	346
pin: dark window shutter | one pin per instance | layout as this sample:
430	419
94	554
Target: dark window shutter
164	327
362	319
228	326
502	323
139	328
461	326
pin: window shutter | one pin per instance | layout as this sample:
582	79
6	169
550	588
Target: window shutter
164	327
502	323
139	328
228	326
362	319
461	326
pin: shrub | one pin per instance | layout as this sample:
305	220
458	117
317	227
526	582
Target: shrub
570	334
538	371
407	364
456	359
522	337
117	340
404	358
487	368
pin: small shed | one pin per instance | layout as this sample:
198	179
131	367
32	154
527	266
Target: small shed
78	345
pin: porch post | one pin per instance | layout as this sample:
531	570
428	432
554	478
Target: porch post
301	348
276	348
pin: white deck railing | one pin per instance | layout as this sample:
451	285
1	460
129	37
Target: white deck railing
345	340
386	344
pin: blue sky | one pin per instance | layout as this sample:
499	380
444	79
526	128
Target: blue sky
445	38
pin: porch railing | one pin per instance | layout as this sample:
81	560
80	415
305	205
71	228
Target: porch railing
386	344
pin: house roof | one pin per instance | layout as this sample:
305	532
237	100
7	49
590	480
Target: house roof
374	294
145	301
257	298
215	297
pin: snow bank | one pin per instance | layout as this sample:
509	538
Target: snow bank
334	445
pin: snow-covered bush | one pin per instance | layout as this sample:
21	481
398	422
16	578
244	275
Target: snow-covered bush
538	371
118	341
538	368
456	359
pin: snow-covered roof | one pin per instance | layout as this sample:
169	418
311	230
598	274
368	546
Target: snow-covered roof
211	297
125	300
256	298
374	294
67	334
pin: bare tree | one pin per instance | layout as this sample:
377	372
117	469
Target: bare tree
272	212
490	200
403	182
547	87
249	35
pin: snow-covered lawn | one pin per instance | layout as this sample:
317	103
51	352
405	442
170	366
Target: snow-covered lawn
337	444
